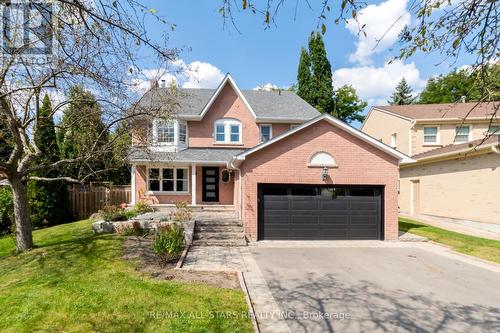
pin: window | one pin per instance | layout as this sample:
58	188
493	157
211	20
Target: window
168	180
430	135
182	133
394	140
266	132
292	126
227	131
494	129
462	133
165	132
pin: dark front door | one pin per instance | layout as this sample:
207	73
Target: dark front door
210	184
320	212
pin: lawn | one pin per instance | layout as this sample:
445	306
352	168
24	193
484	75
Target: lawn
474	246
77	282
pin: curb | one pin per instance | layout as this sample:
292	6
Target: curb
244	288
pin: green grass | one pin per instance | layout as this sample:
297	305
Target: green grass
77	282
474	246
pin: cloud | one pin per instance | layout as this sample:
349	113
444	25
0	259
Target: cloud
268	87
376	84
196	74
200	74
383	22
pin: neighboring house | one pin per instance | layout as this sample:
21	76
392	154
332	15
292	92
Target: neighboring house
289	172
456	172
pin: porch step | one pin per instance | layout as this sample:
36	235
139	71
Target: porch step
212	208
218	222
218	228
219	235
220	242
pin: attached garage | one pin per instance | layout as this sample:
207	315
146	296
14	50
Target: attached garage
323	180
311	212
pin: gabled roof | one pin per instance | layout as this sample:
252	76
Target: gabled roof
272	106
459	149
484	110
335	122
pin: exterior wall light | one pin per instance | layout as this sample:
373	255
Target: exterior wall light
324	174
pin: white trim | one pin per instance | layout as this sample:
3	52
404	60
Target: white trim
227	78
193	184
438	136
227	123
270	131
160	179
162	163
132	185
457	152
349	129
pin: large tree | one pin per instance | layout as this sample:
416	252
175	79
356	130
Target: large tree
321	74
90	43
348	106
48	201
402	94
304	77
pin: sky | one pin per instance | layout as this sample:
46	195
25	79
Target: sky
257	55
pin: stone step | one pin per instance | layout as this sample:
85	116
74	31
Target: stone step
219	242
219	235
219	228
212	208
228	222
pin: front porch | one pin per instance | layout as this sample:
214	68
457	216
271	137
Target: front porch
202	186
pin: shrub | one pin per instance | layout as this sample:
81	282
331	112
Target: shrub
142	207
114	213
182	212
6	211
169	242
130	229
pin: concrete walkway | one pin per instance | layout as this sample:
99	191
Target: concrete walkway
472	228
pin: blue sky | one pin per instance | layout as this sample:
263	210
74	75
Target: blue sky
257	56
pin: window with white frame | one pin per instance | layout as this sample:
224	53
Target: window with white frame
494	129
172	132
173	180
394	140
430	135
266	132
227	131
462	133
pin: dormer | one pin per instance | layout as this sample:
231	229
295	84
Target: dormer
169	135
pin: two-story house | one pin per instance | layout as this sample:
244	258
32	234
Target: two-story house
288	171
456	172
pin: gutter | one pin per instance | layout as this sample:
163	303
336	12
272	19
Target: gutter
494	147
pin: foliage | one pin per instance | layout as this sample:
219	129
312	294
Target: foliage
304	77
6	210
142	207
169	242
49	201
475	246
321	74
130	229
451	87
402	95
73	281
348	106
116	213
182	212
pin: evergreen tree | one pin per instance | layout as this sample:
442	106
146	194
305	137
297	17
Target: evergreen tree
304	77
6	143
48	200
402	95
321	75
348	106
76	140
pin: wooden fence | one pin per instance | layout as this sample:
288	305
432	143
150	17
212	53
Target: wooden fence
89	198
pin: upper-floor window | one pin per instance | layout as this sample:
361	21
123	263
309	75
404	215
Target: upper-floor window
494	129
171	132
430	135
394	140
462	133
292	126
227	131
266	132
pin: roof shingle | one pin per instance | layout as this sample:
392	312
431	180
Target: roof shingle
444	111
458	147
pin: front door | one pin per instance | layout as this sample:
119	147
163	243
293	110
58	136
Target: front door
210	184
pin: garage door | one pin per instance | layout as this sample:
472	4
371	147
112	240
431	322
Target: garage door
312	212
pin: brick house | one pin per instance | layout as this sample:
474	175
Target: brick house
286	170
456	152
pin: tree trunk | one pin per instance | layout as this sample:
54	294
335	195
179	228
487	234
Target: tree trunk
24	237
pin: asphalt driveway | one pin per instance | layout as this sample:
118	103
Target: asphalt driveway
407	289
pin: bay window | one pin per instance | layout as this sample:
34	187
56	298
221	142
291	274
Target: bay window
227	131
169	132
173	180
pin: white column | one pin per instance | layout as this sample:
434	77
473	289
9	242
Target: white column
132	185
193	184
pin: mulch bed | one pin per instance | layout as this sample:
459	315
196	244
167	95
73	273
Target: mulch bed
139	249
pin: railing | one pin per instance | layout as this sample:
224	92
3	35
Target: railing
89	198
